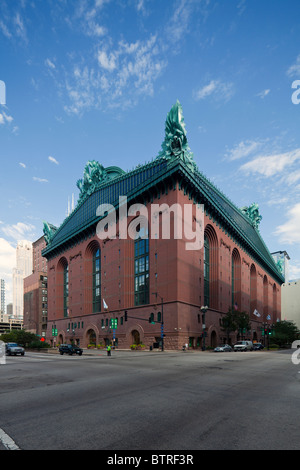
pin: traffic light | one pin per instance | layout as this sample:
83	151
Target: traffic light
125	315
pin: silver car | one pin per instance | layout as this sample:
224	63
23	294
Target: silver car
223	348
12	349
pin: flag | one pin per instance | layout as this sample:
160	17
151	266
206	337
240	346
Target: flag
105	306
256	313
269	317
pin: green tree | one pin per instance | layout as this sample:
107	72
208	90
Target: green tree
284	332
23	338
234	320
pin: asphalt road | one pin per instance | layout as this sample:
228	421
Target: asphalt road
168	401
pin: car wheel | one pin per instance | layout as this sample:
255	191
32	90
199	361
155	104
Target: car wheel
61	353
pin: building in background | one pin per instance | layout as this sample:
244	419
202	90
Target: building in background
2	298
290	302
161	287
23	268
282	259
36	292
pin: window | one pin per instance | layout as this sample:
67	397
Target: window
141	271
97	281
66	290
206	271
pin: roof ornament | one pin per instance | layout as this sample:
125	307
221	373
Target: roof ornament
252	212
49	231
93	174
175	144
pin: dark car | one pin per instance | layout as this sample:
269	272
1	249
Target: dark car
257	346
70	349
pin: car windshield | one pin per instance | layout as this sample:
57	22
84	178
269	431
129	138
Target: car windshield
240	342
13	344
222	346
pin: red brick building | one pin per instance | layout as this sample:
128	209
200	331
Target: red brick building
92	281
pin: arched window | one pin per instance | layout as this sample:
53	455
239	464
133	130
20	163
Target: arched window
206	271
66	291
211	268
97	281
266	299
253	289
236	275
141	269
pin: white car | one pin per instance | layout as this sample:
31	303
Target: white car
243	346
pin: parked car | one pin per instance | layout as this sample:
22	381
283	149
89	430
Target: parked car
243	346
223	348
70	349
257	346
12	349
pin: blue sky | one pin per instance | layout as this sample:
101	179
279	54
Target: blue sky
95	79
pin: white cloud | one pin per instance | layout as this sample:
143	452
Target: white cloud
289	232
53	160
271	165
40	180
243	149
263	93
22	165
220	91
50	64
18	231
5	118
108	63
294	70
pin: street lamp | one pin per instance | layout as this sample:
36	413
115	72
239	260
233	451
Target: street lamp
203	310
162	319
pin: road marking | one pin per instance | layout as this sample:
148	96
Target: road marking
7	441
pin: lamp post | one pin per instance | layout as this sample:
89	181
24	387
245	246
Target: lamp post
203	310
162	320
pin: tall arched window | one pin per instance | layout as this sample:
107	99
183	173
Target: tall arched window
97	281
206	271
266	297
236	279
141	269
66	290
211	268
253	289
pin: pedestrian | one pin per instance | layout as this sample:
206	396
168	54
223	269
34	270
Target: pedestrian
109	350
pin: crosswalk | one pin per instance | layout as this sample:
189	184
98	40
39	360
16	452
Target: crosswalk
42	357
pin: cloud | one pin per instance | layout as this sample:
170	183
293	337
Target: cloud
53	160
294	70
119	77
289	232
5	118
50	64
263	93
22	165
272	164
18	231
220	91
40	180
243	149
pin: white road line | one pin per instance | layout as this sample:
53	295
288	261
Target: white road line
7	441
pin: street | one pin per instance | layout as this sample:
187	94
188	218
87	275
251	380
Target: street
151	400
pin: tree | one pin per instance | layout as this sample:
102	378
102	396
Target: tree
23	338
235	321
284	332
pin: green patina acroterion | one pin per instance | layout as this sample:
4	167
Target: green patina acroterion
95	174
253	213
49	232
175	144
